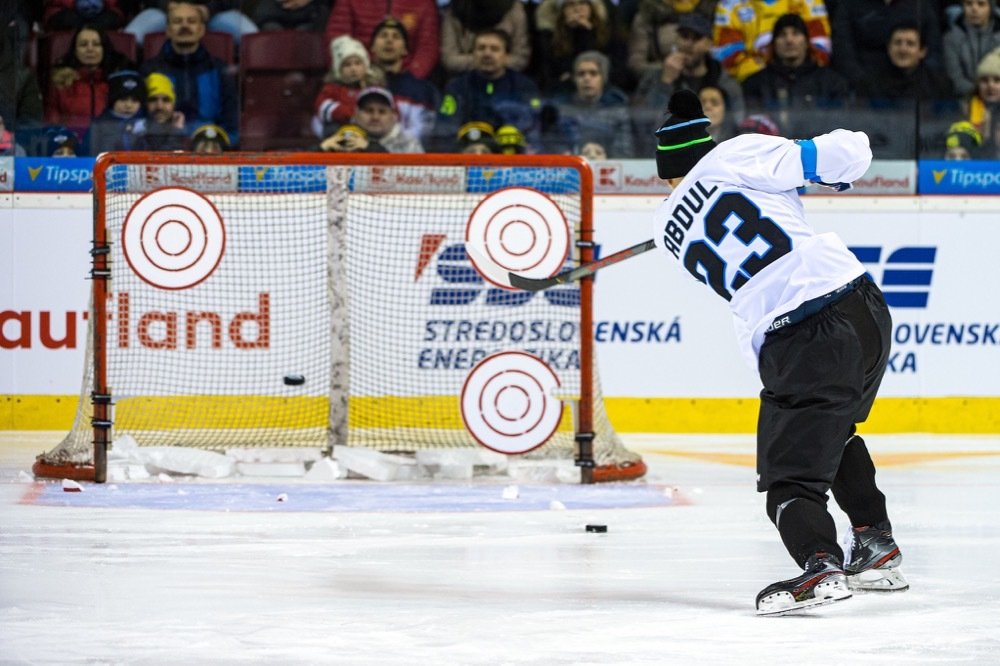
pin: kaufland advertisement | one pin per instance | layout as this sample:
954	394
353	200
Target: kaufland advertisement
639	177
659	333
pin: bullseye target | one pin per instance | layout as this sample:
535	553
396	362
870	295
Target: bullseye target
522	231
508	404
173	238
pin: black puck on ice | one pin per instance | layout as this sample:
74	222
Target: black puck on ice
294	380
600	529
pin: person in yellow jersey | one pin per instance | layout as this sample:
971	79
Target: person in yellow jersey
743	31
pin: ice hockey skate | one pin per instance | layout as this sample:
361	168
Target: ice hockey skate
873	560
823	582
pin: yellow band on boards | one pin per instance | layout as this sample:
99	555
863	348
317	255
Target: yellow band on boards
960	415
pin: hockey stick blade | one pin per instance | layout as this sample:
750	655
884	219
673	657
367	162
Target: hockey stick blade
487	267
497	275
580	272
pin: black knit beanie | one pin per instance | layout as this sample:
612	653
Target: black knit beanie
683	138
126	83
790	21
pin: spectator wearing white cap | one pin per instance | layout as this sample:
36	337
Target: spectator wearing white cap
983	105
350	73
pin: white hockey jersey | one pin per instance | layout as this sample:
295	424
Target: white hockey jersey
737	225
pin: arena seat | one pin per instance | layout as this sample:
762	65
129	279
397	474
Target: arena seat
282	73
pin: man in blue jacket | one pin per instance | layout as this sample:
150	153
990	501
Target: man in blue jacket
205	87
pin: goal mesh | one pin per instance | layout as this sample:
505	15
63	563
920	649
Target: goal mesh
308	300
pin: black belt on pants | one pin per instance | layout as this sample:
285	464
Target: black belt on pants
812	306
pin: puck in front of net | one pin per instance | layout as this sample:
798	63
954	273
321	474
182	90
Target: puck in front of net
600	529
294	380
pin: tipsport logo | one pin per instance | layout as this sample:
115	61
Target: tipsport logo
963	177
67	174
463	285
906	273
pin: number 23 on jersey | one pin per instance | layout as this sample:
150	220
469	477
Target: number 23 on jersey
732	224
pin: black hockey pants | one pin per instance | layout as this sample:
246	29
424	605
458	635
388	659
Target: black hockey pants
820	378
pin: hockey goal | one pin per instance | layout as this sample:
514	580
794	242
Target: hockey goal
322	300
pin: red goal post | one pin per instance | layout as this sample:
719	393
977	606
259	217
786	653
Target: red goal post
215	276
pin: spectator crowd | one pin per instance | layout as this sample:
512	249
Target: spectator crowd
586	77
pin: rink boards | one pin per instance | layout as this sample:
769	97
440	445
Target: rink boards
667	354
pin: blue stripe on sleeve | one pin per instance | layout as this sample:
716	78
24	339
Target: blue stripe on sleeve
808	159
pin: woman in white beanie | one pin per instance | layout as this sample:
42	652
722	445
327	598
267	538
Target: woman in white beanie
350	73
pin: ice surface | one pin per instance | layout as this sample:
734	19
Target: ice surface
360	572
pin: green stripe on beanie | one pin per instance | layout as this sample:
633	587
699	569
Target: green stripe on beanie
685	145
683	138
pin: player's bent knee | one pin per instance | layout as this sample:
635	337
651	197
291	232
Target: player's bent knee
780	494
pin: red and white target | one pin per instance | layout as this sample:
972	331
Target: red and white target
522	231
173	238
508	402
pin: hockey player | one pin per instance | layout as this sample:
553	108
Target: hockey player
810	321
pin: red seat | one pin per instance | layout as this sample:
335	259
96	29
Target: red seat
284	49
282	73
219	44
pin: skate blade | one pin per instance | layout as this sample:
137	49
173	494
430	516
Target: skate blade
878	580
783	603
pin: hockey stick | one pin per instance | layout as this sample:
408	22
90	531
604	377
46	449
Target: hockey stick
498	275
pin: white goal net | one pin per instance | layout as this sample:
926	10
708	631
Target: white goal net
315	300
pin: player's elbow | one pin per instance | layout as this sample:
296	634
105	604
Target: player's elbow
842	155
852	141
